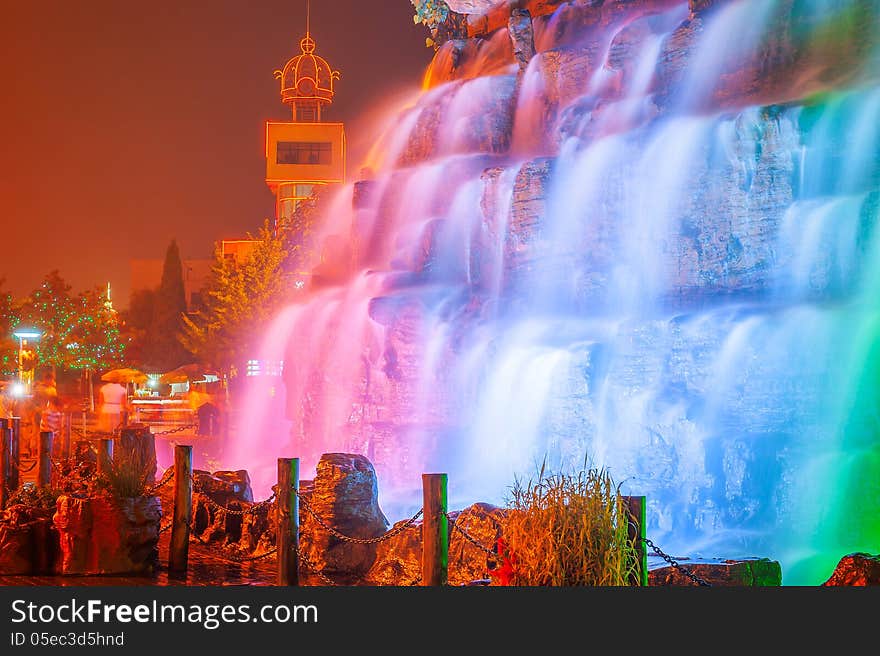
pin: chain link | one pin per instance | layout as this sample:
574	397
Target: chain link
467	536
693	577
23	470
345	538
312	568
166	477
177	429
246	511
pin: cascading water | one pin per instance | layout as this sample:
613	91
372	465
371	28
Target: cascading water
668	268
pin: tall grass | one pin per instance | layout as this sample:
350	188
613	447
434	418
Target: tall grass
128	475
568	529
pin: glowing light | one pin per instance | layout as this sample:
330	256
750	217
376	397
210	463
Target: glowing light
18	390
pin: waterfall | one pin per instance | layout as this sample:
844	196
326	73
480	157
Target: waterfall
654	250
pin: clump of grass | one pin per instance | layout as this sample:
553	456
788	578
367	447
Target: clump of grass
38	498
568	529
128	475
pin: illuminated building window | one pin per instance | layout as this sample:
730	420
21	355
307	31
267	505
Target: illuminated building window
306	113
265	367
304	152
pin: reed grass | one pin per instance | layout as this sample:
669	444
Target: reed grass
128	474
568	529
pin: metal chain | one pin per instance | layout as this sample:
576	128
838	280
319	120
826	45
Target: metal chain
693	577
467	536
312	568
247	511
22	470
345	538
166	477
178	429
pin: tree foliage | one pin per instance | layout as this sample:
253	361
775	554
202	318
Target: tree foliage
242	297
77	331
430	13
163	349
8	344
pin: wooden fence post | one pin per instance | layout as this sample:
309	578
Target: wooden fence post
5	437
12	471
287	540
105	454
180	523
435	530
635	507
44	459
66	429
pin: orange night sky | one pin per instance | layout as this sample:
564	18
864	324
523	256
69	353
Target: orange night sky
125	125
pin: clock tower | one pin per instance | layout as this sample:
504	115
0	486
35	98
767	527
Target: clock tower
306	151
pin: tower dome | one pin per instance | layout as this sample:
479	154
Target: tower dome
307	76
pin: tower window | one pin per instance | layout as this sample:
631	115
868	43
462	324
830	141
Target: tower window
306	113
304	152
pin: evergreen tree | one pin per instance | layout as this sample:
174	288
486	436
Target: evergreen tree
240	301
163	349
8	343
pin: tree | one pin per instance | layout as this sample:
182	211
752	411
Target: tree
241	299
8	344
52	310
300	235
163	349
77	333
431	13
95	341
135	323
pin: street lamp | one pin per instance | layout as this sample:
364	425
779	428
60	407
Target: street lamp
24	334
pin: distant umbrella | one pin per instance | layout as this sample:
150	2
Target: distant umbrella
125	375
193	373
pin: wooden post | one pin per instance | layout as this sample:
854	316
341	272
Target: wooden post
137	442
14	454
67	427
287	540
182	518
105	454
44	459
5	437
635	507
435	530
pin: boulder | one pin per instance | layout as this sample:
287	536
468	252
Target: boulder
482	522
106	535
399	559
859	569
748	572
521	37
224	486
28	541
224	512
343	497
